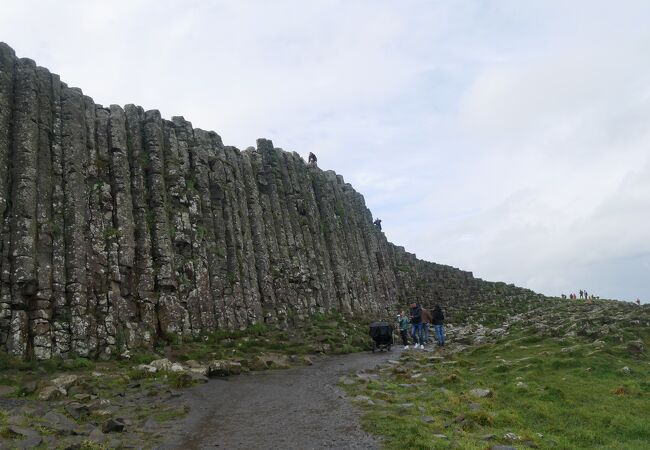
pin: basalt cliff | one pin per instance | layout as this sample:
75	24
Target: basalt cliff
118	227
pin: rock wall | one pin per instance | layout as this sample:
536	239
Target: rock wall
118	227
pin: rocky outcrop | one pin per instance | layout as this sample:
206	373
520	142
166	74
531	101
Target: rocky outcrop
118	227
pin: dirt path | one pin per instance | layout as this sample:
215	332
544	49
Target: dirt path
300	408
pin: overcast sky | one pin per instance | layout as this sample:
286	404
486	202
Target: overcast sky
509	138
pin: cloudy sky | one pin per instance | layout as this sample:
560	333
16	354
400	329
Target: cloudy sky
510	138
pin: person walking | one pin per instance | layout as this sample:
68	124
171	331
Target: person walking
403	328
416	324
438	319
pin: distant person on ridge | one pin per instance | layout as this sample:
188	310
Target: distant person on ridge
416	324
638	302
312	158
580	293
377	223
403	328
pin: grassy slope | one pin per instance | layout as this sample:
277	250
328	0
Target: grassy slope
575	394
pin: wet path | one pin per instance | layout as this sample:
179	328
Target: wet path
300	408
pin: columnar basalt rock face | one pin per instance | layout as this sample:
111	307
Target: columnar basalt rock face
118	227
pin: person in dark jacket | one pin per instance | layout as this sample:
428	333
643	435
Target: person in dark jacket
416	324
438	319
426	321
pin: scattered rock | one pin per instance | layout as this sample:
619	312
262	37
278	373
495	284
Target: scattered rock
65	381
29	387
18	431
636	348
6	390
96	435
29	442
59	423
626	370
177	368
49	393
481	393
161	364
223	368
113	426
510	437
521	385
146	368
76	410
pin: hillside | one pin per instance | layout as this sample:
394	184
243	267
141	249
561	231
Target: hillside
557	374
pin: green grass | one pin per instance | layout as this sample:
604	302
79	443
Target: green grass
573	399
327	333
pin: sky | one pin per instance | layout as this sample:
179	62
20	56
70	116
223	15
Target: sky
509	138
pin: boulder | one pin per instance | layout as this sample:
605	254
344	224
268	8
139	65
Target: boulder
65	381
113	426
29	442
636	348
161	364
177	368
223	368
60	423
76	410
49	393
146	368
481	393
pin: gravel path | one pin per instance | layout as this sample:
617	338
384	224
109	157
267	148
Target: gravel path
300	408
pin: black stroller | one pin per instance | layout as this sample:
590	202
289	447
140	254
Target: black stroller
382	335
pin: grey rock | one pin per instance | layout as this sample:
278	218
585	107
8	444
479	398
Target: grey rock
59	423
29	442
480	393
6	390
51	393
113	426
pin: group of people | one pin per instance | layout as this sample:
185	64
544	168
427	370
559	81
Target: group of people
418	322
582	295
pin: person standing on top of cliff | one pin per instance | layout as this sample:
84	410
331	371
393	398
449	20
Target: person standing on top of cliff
416	324
403	328
426	321
312	158
438	319
377	223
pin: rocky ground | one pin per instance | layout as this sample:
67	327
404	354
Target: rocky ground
138	401
554	374
470	394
